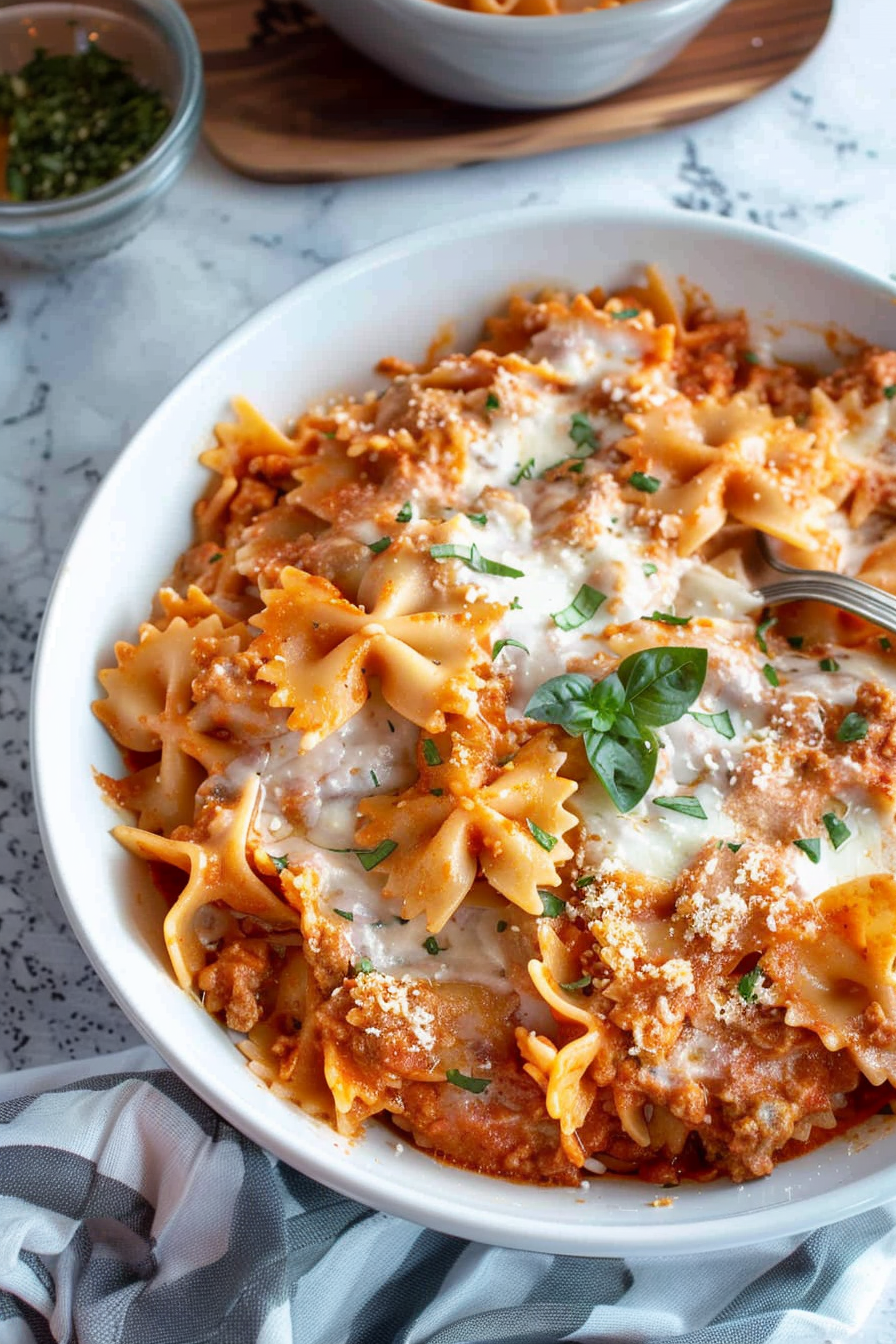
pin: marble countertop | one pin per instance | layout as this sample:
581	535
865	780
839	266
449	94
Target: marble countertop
85	356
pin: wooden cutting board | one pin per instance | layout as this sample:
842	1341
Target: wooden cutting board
288	101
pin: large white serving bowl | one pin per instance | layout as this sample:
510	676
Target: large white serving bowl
326	335
502	60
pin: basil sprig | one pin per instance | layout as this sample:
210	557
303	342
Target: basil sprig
616	717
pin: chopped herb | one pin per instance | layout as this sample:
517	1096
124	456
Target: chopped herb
344	914
524	472
475	561
811	848
751	357
687	806
480	519
501	925
625	313
364	966
369	858
573	985
218	555
746	986
546	840
581	431
551	905
771	675
437	793
376	782
432	946
649	569
720	722
667	618
492	403
381	545
838	831
504	643
890	391
74	122
762	629
734	847
405	513
516	605
584	605
829	665
431	752
586	881
853	728
796	641
458	1079
649	484
280	861
885	643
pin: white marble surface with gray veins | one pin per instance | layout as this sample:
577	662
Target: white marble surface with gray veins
86	355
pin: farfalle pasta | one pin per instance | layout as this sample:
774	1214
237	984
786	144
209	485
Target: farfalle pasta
487	799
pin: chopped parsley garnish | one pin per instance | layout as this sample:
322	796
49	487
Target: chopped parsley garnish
762	629
516	605
735	846
890	391
280	861
505	643
668	618
480	519
649	484
581	431
811	848
838	831
853	728
523	472
796	641
584	605
721	722
551	905
405	513
771	675
492	403
431	752
376	782
364	967
746	986
573	985
587	881
885	643
687	806
649	569
616	717
829	665
543	838
381	545
432	946
471	556
344	914
501	925
458	1079
369	858
73	122
625	313
213	559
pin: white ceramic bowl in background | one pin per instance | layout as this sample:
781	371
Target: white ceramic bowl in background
322	336
497	60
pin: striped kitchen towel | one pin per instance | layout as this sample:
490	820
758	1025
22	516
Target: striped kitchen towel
130	1213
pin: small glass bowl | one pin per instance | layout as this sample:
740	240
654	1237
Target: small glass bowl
157	39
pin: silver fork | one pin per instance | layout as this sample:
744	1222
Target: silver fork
823	585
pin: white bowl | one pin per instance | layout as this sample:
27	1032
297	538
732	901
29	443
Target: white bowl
497	60
326	334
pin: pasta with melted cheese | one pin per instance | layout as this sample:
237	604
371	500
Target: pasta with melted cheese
489	800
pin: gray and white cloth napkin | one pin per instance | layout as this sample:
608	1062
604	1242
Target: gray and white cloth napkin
130	1213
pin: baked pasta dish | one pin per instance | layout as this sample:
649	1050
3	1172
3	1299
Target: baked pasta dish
536	8
487	798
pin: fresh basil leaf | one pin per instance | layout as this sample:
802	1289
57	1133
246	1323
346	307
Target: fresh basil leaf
587	881
543	838
405	513
581	431
523	472
829	665
625	313
687	806
625	769
564	700
432	946
649	484
280	861
551	905
369	858
584	605
668	618
746	986
649	569
458	1079
504	644
811	848
853	728
762	630
476	561
838	831
771	675
573	985
796	641
431	752
662	684
364	966
720	722
480	519
344	914
377	546
492	403
606	700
